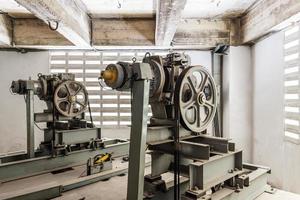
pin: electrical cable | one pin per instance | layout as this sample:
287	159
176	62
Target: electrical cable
38	126
91	117
54	122
176	146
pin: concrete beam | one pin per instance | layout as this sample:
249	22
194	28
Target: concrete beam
129	33
123	32
106	32
73	22
5	30
34	32
264	16
207	32
168	16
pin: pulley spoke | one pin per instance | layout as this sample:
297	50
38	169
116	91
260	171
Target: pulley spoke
198	116
203	82
209	108
70	108
79	89
208	104
68	89
192	85
79	103
188	104
63	99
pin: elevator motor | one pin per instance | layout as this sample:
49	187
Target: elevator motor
175	83
61	92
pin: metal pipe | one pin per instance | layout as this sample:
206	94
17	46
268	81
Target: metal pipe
30	123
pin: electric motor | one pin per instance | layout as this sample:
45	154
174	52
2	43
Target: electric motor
59	91
175	84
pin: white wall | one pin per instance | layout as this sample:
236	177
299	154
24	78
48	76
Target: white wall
237	99
14	66
253	109
269	147
200	58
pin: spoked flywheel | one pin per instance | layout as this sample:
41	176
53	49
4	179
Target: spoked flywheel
70	98
196	98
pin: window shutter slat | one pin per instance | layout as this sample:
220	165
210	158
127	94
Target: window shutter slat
108	107
292	84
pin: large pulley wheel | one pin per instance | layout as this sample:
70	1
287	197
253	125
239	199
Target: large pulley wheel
70	98
196	98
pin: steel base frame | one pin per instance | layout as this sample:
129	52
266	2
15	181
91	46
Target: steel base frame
49	191
255	186
250	188
208	167
15	167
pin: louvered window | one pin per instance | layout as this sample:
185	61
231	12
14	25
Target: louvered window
291	84
108	107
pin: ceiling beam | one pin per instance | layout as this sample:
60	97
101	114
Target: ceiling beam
106	32
123	32
207	32
73	22
138	33
5	30
168	15
264	16
34	32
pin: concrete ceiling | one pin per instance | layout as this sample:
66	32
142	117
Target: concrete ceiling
215	8
120	8
198	24
146	8
14	9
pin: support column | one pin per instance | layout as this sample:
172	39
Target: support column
139	109
30	123
217	72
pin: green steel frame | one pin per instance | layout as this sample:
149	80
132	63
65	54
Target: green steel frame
28	167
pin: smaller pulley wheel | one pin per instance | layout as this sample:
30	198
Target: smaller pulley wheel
196	98
70	98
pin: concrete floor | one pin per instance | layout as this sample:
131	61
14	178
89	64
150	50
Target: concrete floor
112	189
115	189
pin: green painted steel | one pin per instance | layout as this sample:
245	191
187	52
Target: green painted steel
138	138
39	165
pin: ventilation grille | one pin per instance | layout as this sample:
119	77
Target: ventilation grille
109	108
291	84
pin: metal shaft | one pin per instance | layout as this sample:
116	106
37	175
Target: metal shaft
30	123
140	91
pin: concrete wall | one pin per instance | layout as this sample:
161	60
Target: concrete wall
14	66
237	99
253	109
269	147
